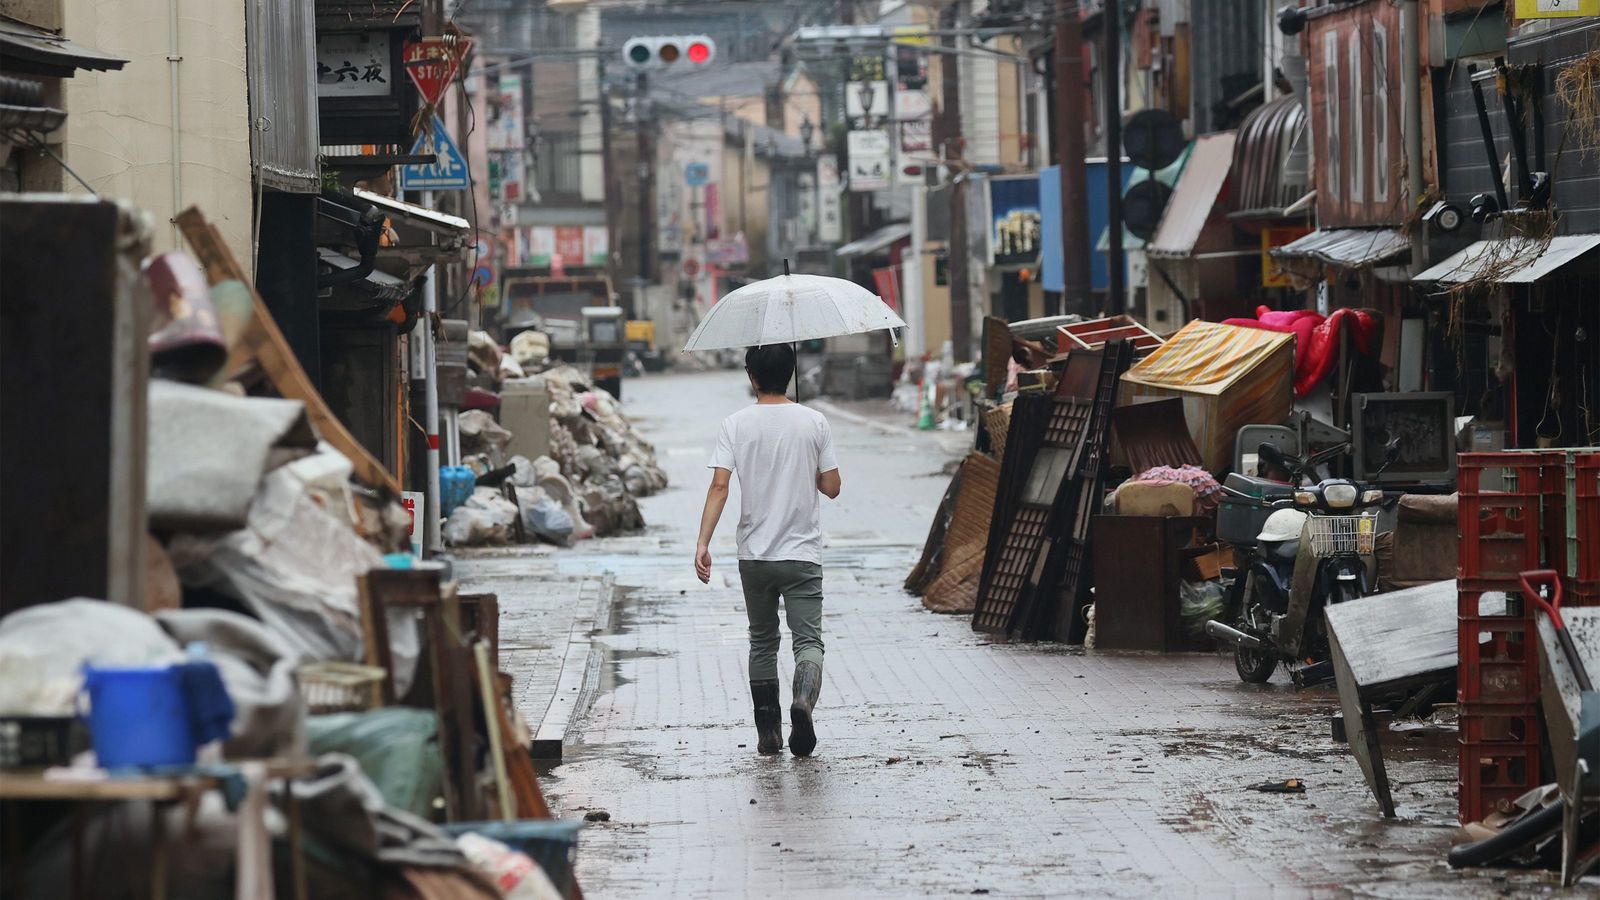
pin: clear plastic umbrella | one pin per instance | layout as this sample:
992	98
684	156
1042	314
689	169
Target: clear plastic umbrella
789	309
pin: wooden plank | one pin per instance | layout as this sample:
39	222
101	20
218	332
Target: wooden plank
37	787
1401	639
263	343
1360	727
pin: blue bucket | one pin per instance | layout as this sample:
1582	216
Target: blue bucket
155	715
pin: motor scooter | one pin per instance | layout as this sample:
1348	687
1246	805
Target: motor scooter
1310	552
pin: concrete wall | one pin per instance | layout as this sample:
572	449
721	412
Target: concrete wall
119	131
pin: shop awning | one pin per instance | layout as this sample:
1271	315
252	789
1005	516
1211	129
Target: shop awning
1195	196
1349	248
36	51
425	236
1512	260
874	242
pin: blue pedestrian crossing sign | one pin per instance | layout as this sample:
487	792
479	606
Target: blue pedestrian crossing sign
448	172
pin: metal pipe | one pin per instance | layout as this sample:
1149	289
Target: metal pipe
173	60
431	543
1232	635
1069	137
1116	293
1488	138
1519	143
1411	96
950	145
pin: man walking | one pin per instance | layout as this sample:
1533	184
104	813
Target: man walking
783	453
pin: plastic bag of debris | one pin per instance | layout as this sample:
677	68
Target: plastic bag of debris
480	433
294	566
1199	603
544	518
485	518
514	872
530	348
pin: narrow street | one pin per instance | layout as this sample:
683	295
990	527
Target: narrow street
948	764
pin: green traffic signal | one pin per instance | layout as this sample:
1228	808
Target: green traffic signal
639	53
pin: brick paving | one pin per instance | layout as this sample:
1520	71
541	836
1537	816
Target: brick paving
949	764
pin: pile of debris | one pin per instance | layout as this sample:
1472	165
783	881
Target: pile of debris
589	478
282	701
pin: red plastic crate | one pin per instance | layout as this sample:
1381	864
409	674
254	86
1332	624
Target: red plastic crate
1491	776
1585	537
1501	532
1576	593
1483	723
1498	661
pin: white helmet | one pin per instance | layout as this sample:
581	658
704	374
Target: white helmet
1283	525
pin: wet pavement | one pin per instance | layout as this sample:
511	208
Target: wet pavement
948	764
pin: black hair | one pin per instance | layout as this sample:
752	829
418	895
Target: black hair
771	366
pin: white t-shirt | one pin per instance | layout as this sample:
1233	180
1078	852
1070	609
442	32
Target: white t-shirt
778	450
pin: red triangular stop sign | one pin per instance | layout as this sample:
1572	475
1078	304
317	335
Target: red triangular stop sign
431	63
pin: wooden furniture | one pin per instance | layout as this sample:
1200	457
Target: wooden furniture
164	793
1137	563
480	615
445	672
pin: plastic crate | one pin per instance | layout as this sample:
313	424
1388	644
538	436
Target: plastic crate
1493	775
1581	542
1577	593
1512	723
1500	531
1499	660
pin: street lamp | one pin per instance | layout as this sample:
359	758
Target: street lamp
806	131
867	95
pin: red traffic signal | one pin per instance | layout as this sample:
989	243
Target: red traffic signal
669	51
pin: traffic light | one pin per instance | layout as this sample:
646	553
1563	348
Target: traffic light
669	51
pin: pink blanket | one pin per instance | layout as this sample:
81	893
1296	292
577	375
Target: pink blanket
1316	338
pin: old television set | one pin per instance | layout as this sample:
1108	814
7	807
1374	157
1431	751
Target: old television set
1425	424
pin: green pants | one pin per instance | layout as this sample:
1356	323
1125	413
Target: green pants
800	586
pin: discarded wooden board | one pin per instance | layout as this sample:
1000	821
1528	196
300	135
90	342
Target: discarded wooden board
1385	645
263	344
1562	700
1558	686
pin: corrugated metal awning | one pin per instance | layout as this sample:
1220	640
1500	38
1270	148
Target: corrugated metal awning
37	51
1195	196
1350	248
426	236
1512	260
872	243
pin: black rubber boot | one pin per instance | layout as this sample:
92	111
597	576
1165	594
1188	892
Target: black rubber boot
769	716
807	686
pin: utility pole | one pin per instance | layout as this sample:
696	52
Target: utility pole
1411	101
644	153
1069	139
950	142
1111	68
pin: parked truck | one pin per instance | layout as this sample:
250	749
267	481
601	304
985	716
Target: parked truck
579	312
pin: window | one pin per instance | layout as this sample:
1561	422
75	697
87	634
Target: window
556	169
1330	113
1380	112
1358	118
